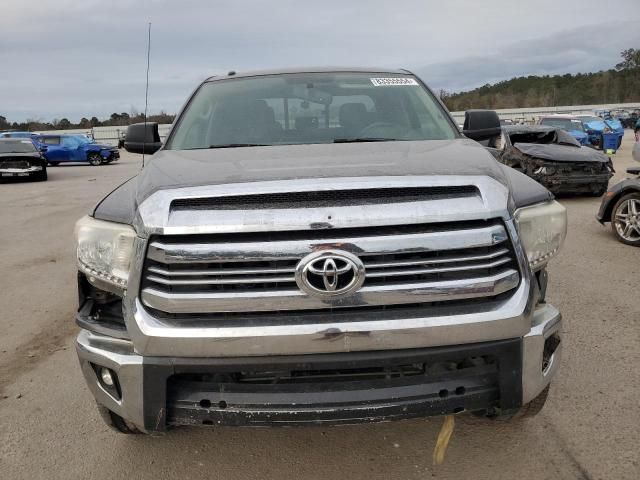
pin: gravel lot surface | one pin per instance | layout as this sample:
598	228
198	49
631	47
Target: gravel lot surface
50	429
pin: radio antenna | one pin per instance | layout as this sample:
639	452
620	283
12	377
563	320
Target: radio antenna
146	92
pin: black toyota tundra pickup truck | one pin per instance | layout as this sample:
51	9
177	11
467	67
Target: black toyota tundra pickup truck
318	246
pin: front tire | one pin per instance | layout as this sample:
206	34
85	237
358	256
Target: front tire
94	159
625	219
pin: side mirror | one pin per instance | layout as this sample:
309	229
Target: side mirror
139	139
43	149
481	124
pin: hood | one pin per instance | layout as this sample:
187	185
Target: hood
561	153
169	169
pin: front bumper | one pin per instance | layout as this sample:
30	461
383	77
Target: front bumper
110	155
156	392
574	183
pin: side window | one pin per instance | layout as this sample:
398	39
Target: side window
70	142
50	140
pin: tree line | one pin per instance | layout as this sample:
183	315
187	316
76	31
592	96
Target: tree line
115	120
617	85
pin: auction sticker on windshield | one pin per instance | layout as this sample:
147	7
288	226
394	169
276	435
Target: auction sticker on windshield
393	81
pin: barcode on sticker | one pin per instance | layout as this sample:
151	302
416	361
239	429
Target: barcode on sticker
393	81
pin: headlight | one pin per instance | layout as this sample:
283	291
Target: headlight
104	251
542	229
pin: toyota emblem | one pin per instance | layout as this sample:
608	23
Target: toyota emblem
330	273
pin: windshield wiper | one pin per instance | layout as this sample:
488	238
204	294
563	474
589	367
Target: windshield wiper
236	145
364	139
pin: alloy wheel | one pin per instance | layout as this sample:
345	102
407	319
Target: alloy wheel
627	219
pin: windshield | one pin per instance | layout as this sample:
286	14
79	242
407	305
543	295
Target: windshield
564	123
17	146
310	108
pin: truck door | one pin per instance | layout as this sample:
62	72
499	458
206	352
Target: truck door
73	149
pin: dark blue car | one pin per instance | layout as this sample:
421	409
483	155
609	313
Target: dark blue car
74	148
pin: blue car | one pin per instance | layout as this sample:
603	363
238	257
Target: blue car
569	124
74	148
596	127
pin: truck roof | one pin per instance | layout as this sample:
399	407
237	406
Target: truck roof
280	71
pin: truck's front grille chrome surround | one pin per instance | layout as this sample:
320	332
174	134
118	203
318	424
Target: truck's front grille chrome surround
205	275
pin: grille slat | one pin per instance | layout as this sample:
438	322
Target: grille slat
423	271
216	281
436	261
219	271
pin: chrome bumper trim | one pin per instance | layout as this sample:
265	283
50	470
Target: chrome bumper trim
547	321
119	356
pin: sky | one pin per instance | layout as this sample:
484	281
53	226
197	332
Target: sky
73	59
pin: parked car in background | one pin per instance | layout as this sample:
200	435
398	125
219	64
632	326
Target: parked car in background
621	206
75	148
19	157
11	134
569	124
554	158
623	116
633	119
596	128
615	124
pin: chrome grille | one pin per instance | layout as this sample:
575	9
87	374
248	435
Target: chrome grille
248	273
